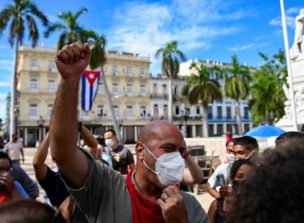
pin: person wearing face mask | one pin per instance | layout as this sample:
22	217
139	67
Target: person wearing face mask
149	193
221	209
122	157
221	173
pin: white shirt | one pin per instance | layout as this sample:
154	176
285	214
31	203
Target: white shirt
223	169
13	149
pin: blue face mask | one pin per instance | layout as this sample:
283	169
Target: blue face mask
109	142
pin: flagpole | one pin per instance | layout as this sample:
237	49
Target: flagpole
289	70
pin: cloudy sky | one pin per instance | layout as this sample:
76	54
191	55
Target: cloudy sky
204	29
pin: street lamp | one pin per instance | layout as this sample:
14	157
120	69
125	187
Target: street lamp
40	123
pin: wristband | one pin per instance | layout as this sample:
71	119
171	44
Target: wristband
79	126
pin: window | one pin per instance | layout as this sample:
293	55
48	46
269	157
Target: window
115	89
49	110
219	130
129	89
100	88
143	111
33	84
219	112
116	111
129	71
177	110
210	115
52	66
33	110
142	71
228	112
129	111
246	113
34	64
114	69
142	90
100	111
51	86
198	110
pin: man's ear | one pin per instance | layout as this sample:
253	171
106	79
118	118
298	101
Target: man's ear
139	149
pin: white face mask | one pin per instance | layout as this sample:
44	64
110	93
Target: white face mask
248	157
109	142
169	168
230	157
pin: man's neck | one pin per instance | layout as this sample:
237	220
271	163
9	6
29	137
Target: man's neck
147	189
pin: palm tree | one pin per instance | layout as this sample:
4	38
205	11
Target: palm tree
98	59
171	58
71	30
267	94
202	87
16	15
237	86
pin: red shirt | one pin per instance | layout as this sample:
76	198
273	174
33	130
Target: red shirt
143	210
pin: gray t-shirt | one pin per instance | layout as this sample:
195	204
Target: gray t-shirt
104	197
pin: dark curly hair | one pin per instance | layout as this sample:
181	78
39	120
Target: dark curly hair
275	191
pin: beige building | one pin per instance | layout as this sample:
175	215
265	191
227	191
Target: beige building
127	77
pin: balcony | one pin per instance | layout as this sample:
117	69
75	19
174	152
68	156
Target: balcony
158	96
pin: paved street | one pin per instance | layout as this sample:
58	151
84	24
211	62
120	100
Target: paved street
204	198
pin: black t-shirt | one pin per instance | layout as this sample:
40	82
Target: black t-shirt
121	158
54	187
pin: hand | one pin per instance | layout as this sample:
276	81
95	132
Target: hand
172	205
225	191
8	182
72	59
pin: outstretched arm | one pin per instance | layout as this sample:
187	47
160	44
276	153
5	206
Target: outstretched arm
73	163
90	140
39	159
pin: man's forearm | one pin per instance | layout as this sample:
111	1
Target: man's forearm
63	133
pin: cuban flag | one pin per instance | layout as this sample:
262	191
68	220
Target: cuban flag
89	86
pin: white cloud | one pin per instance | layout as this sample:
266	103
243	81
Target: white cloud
5	84
2	109
290	13
248	46
145	27
2	96
6	65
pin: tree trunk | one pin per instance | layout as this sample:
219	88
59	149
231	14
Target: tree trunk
170	101
108	95
205	121
238	117
13	92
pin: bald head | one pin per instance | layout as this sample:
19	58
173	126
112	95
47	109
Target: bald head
156	128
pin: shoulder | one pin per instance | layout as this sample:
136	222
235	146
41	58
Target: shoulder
195	211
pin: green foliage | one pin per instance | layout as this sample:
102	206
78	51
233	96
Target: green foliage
267	102
202	86
171	58
237	79
98	42
20	15
71	31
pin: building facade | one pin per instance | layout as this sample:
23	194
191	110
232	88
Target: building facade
127	76
137	96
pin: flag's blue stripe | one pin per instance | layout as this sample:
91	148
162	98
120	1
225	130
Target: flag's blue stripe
83	91
91	97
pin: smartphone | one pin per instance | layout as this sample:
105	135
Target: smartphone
220	179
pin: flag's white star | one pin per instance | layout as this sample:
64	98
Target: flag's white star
91	76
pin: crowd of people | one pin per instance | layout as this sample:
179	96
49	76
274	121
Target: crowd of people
101	181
